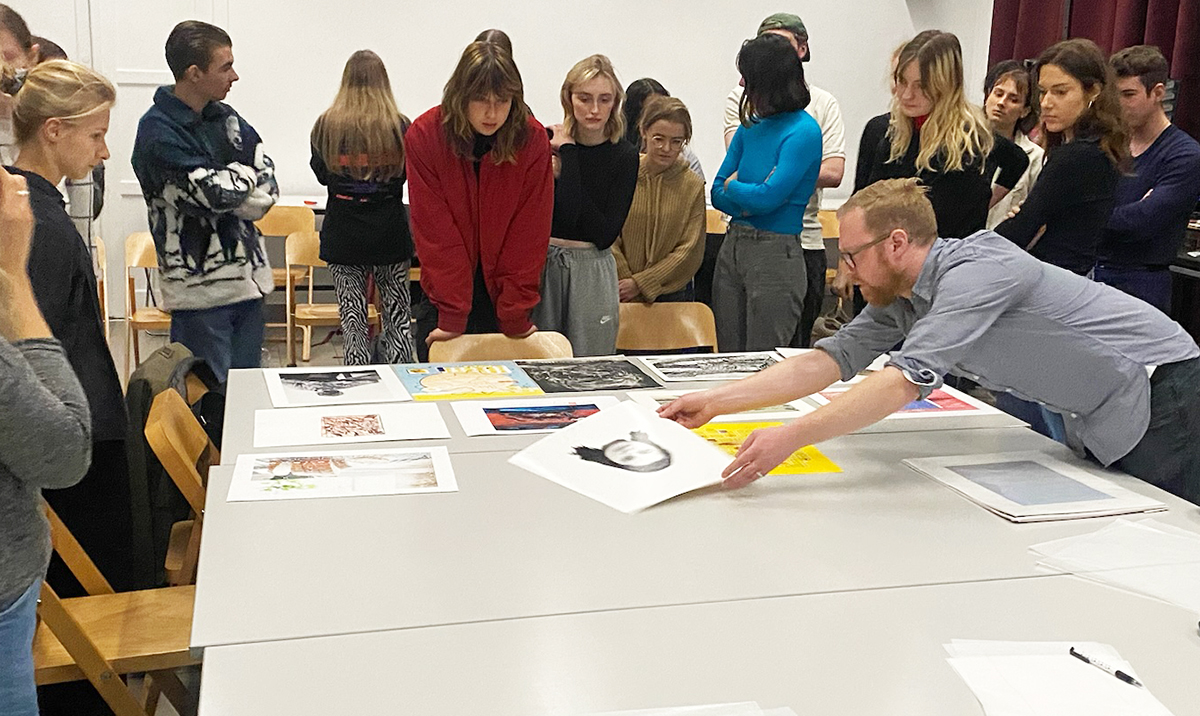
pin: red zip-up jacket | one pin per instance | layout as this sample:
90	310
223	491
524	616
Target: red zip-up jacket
500	221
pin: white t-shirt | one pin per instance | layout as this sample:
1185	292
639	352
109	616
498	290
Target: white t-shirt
823	108
1013	198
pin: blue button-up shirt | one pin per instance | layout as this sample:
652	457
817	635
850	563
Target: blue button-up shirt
984	309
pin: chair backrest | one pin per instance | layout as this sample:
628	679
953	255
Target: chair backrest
830	229
666	327
714	222
139	251
287	220
181	445
497	346
303	248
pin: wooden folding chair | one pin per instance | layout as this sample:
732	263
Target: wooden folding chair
303	249
283	221
105	636
666	327
140	254
714	222
497	346
185	451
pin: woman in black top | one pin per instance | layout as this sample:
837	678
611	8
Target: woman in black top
60	118
936	135
595	177
358	152
1064	216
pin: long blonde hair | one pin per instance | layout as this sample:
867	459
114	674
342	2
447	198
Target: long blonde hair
58	89
956	131
359	135
584	71
485	70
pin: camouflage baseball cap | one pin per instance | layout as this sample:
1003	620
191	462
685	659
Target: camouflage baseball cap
790	23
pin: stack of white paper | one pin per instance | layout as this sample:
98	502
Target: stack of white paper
1033	487
1146	557
1043	679
748	708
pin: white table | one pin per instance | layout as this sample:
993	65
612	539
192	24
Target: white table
510	544
865	652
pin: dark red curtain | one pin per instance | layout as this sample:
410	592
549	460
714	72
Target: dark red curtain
1023	28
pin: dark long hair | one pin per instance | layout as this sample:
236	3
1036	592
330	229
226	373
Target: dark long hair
1083	60
774	78
635	98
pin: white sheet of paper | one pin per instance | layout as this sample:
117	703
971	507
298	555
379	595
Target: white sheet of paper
522	416
709	366
1043	679
341	473
338	385
1032	486
654	399
1145	557
625	457
337	425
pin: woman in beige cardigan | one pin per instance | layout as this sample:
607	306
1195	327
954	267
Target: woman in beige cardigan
662	243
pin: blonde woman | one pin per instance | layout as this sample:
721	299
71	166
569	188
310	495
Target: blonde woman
662	244
60	118
358	152
936	135
481	194
596	176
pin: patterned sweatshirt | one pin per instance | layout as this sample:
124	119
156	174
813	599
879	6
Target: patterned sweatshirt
205	179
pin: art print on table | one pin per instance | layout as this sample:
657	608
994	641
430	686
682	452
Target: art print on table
944	409
655	399
578	375
938	401
307	474
526	415
464	381
290	387
625	457
730	436
716	366
336	424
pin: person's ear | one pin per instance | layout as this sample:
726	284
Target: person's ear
1158	92
192	73
35	52
52	129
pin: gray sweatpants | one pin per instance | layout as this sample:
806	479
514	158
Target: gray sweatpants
579	299
758	289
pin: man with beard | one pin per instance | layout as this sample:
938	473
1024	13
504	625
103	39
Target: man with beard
1123	378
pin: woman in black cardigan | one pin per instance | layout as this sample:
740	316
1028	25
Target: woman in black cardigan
1064	216
60	118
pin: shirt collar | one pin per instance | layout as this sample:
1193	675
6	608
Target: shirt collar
38	184
180	113
927	279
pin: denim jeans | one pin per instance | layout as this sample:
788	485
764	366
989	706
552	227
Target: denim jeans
226	336
18	695
1168	455
1151	285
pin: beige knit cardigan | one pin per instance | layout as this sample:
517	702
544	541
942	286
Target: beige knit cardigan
662	243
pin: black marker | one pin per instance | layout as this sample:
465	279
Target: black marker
1106	668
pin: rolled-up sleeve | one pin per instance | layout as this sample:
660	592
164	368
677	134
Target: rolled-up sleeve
968	300
859	342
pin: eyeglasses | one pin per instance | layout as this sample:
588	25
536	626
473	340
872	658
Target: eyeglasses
848	256
660	141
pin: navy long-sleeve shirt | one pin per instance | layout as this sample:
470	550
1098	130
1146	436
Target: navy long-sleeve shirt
1153	204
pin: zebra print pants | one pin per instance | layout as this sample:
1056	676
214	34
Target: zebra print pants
396	344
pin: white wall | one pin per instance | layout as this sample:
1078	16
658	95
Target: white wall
290	55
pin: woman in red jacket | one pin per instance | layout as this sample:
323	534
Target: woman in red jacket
481	195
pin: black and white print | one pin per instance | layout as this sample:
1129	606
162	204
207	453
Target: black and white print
720	366
585	374
291	387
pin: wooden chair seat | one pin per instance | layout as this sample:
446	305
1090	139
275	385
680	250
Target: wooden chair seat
135	632
497	346
150	318
326	314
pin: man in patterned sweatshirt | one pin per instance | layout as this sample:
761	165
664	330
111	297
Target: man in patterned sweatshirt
206	179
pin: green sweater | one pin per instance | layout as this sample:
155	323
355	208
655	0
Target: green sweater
662	243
